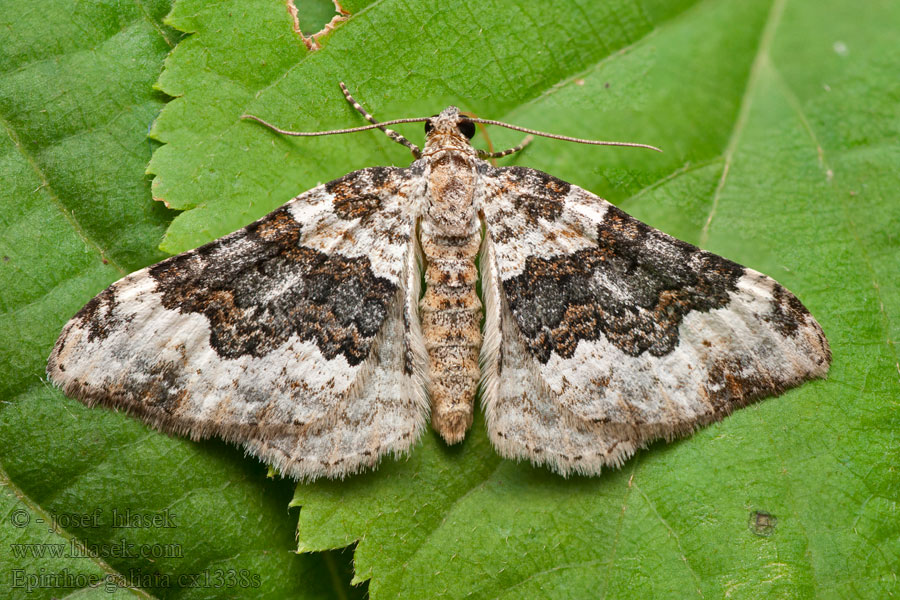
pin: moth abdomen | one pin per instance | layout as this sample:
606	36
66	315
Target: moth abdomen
451	319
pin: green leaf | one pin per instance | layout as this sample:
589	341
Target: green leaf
780	130
779	125
76	100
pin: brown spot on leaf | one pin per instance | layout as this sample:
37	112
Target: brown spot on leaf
762	523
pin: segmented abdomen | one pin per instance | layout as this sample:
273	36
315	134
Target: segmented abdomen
451	320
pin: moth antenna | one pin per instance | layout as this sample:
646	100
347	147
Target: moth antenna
368	117
565	138
508	151
332	131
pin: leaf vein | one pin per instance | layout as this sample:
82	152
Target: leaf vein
760	61
21	496
674	535
45	184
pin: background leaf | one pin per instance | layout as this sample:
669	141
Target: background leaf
76	100
779	123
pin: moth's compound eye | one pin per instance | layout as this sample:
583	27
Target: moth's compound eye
428	127
467	128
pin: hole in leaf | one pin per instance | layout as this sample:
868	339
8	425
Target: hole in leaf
315	18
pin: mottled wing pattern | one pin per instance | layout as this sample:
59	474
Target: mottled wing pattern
297	335
603	333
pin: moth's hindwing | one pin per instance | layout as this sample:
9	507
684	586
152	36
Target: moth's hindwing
293	336
603	333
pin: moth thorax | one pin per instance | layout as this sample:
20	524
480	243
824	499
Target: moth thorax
452	190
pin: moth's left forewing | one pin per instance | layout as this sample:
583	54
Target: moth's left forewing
289	336
612	333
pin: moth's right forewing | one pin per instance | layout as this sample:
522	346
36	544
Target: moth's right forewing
613	334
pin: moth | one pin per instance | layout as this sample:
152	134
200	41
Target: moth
306	336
